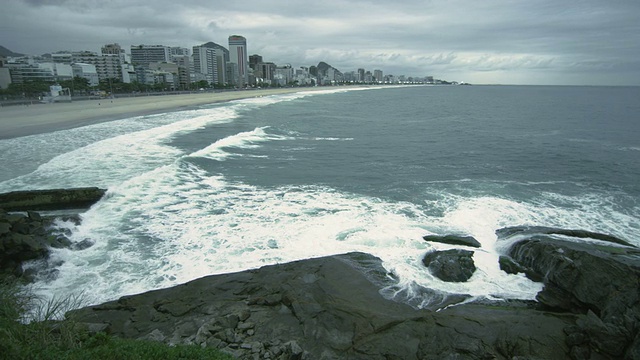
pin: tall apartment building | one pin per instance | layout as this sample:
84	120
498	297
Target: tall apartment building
210	60
107	66
184	70
283	75
143	55
265	72
238	55
254	60
377	75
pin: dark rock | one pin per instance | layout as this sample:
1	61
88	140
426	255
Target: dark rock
454	240
27	238
84	244
59	241
34	216
54	199
600	281
5	228
340	314
543	230
509	266
455	265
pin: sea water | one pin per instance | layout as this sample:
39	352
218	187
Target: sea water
227	187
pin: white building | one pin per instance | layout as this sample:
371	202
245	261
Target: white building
59	71
283	75
210	60
87	71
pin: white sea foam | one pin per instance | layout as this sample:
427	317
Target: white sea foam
177	223
243	140
630	148
332	139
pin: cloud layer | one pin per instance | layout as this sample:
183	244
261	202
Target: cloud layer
493	41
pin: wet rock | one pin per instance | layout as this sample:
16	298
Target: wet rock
597	280
26	238
527	231
82	245
454	265
341	314
454	240
53	199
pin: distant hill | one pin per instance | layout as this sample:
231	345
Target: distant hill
323	67
6	52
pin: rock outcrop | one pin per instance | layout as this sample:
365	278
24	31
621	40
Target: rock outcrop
598	280
453	240
25	237
455	265
326	308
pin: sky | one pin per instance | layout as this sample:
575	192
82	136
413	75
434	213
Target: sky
537	42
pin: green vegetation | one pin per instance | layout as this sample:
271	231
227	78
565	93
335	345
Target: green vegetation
48	338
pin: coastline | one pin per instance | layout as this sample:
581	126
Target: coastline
18	121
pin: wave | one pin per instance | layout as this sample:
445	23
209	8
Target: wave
630	148
243	140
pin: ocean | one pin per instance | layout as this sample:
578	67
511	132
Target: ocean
233	186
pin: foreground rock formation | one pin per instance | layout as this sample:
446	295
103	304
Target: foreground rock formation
332	308
325	308
600	281
29	236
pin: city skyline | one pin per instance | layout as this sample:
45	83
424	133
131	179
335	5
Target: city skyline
496	41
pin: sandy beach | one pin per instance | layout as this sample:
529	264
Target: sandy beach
19	120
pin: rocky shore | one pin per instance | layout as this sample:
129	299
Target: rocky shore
336	307
332	308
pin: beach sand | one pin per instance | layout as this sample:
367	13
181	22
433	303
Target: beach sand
20	120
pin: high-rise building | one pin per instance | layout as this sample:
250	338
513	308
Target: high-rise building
184	70
143	55
107	66
254	60
377	75
210	60
238	55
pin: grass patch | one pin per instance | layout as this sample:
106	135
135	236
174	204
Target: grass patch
49	338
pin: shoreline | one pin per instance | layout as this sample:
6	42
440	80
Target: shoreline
18	121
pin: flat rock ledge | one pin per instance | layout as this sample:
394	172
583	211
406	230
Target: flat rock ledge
50	199
327	308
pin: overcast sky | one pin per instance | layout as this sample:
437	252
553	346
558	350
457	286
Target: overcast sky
579	42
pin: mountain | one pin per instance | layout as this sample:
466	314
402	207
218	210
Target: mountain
323	67
6	52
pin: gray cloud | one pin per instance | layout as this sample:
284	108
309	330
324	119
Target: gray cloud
501	41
